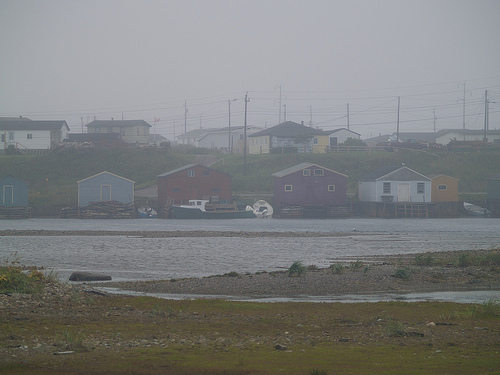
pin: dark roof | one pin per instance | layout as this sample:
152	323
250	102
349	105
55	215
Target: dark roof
289	129
187	167
27	124
299	167
102	123
337	130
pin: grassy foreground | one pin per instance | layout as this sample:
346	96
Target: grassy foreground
61	329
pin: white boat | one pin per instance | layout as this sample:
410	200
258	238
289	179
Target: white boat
262	209
147	212
202	209
473	210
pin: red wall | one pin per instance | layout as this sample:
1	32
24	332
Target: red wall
181	188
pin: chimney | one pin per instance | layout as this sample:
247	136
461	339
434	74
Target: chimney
302	123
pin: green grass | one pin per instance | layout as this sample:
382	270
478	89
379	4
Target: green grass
53	177
296	269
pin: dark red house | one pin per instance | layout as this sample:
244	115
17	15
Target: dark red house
193	181
308	184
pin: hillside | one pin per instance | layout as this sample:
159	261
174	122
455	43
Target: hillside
52	178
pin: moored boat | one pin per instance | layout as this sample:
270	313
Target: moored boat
147	212
202	209
262	209
473	210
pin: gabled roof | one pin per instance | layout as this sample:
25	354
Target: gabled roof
289	129
299	167
188	166
385	173
9	176
106	172
27	124
433	176
200	133
330	132
102	123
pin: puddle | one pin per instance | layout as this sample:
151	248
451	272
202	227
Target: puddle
457	297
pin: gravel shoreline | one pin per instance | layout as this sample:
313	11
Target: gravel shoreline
361	275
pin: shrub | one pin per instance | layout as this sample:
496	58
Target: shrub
356	265
16	278
464	261
337	268
296	269
424	259
402	273
396	329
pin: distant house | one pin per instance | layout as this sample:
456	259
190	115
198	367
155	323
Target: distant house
157	139
193	181
444	188
13	192
445	136
134	132
309	184
322	143
285	137
29	136
217	138
105	186
394	184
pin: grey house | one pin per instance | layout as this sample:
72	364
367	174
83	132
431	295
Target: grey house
13	192
105	186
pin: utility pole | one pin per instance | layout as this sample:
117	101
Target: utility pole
463	109
347	116
397	132
486	113
229	141
435	118
245	138
185	116
280	107
310	116
284	112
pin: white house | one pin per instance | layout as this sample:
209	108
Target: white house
217	138
31	136
394	184
339	136
445	136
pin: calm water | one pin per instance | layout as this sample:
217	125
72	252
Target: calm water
132	258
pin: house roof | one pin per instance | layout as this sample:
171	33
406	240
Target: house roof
433	176
299	167
384	172
330	132
27	124
98	174
200	133
9	176
185	167
289	129
103	123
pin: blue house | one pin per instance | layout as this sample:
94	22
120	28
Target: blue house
13	192
105	186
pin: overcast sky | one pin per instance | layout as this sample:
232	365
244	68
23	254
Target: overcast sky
75	60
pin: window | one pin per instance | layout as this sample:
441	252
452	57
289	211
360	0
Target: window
288	187
190	173
3	137
442	187
110	129
138	131
306	172
387	188
29	136
316	141
420	188
319	172
11	136
206	173
176	190
216	190
331	187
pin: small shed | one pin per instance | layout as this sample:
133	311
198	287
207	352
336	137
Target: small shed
13	192
309	184
193	181
394	184
105	186
444	188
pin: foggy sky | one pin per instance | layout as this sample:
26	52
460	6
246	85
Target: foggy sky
75	60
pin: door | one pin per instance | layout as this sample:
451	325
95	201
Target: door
404	192
8	196
310	194
105	192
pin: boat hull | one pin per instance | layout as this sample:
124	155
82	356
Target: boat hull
195	213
